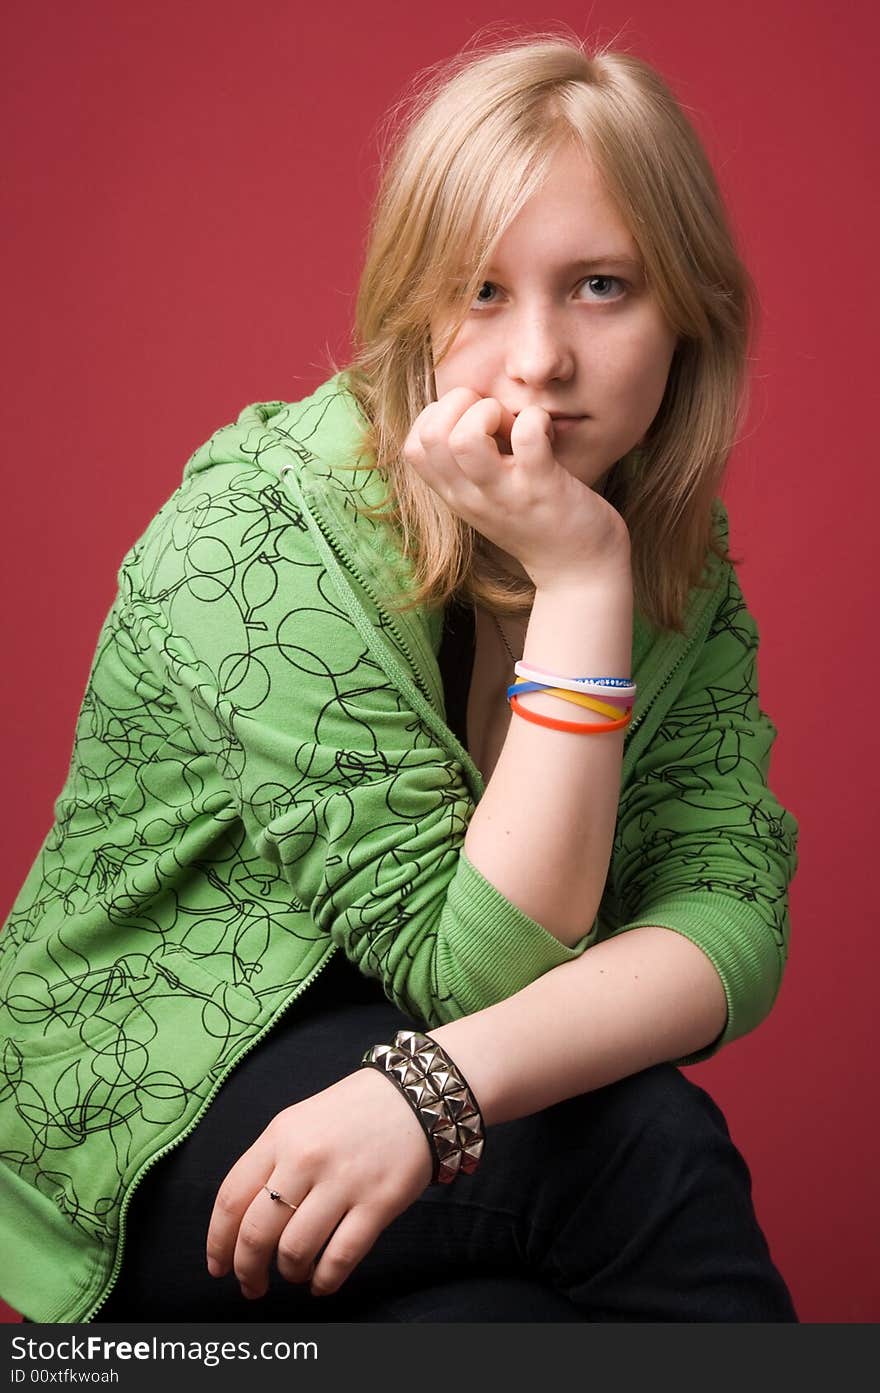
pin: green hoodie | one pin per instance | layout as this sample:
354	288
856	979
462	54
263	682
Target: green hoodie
262	775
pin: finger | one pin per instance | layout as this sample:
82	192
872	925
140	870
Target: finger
458	450
531	438
241	1183
425	447
351	1241
461	412
262	1225
476	439
497	418
307	1231
432	459
435	421
501	432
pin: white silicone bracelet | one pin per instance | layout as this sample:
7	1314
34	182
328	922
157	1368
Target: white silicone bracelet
589	686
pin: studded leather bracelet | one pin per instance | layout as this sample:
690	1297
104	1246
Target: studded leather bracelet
439	1096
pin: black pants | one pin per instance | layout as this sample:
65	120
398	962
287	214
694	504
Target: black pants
629	1203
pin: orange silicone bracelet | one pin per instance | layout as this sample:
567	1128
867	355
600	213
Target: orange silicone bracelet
579	699
576	727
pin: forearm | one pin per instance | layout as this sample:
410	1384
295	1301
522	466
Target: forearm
644	997
543	830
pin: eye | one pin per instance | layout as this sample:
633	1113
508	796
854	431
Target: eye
604	280
477	301
482	299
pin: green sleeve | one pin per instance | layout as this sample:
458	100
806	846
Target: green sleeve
339	785
702	845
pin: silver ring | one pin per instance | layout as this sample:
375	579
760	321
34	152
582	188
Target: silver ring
274	1195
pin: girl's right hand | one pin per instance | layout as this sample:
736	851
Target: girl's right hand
525	502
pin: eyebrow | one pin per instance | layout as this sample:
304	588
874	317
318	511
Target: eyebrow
591	263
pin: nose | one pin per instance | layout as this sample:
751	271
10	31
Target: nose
538	350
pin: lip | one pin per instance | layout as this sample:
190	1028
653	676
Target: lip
564	415
561	422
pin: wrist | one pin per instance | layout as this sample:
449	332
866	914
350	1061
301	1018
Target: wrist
439	1095
580	626
612	576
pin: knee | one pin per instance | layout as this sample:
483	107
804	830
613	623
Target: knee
664	1105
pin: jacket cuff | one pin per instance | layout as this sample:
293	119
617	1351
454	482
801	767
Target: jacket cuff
740	946
488	948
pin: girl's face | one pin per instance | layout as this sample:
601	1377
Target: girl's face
565	321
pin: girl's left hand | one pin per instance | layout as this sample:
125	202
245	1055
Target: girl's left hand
351	1158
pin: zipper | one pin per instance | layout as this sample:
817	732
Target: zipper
703	620
422	696
634	724
336	546
127	1198
637	721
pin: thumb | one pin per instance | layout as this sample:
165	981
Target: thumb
502	434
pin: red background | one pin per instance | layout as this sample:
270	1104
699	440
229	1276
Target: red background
188	190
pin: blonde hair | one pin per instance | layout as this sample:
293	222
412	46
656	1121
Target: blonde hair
478	143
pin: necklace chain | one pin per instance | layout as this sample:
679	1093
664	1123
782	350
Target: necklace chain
513	658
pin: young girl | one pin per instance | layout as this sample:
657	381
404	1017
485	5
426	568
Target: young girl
428	704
